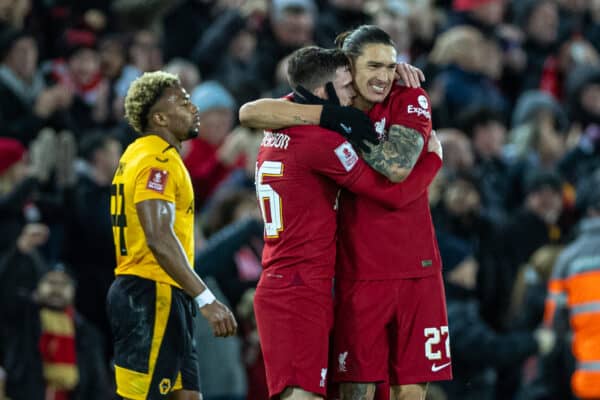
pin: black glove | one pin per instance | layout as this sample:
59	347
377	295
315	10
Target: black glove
303	96
350	122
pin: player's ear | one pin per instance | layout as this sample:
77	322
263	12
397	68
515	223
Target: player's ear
159	118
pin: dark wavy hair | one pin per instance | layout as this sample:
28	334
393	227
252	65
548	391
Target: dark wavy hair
352	42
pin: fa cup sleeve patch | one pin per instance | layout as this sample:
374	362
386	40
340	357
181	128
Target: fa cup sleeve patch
347	156
157	180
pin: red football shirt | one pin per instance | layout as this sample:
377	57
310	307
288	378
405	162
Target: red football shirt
298	176
378	243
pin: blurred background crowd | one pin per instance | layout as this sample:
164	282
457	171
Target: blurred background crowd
515	89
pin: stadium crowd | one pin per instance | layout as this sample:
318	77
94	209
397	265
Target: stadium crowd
515	92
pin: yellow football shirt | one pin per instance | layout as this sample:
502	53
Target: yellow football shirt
149	169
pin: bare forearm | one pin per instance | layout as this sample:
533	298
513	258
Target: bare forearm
396	157
170	256
276	114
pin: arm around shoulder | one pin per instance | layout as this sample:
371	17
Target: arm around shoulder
278	113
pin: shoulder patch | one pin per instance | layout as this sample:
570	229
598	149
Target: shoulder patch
157	180
347	156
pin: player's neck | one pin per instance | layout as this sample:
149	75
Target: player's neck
362	104
166	135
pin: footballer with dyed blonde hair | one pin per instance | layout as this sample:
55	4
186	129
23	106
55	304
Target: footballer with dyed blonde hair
151	302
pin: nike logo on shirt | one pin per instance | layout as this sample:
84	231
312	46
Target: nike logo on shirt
346	128
436	368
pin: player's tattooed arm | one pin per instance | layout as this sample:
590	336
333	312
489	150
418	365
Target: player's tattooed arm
278	113
357	391
395	157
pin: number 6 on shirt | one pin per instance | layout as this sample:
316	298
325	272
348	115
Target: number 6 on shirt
271	206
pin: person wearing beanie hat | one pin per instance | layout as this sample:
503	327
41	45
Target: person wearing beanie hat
573	297
537	140
475	371
485	15
532	102
11	152
212	95
209	160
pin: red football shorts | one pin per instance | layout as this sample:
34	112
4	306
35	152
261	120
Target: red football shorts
294	325
394	331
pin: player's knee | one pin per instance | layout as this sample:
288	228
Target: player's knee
408	392
296	393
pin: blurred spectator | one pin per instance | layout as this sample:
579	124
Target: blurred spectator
51	351
13	13
393	17
474	371
112	56
184	23
241	178
584	107
531	288
488	135
226	50
141	14
186	71
529	228
80	71
111	49
26	105
592	31
461	54
540	20
232	252
291	26
228	381
459	214
458	151
538	140
20	183
485	15
144	55
206	159
88	247
339	16
575	52
571	18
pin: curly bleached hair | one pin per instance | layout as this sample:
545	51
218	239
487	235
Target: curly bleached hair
142	95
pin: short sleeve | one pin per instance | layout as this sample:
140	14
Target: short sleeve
330	154
412	109
156	179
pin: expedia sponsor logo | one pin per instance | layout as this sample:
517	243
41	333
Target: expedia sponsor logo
421	112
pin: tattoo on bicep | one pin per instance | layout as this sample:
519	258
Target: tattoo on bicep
357	391
399	152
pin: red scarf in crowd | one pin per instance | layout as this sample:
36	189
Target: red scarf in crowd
57	347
